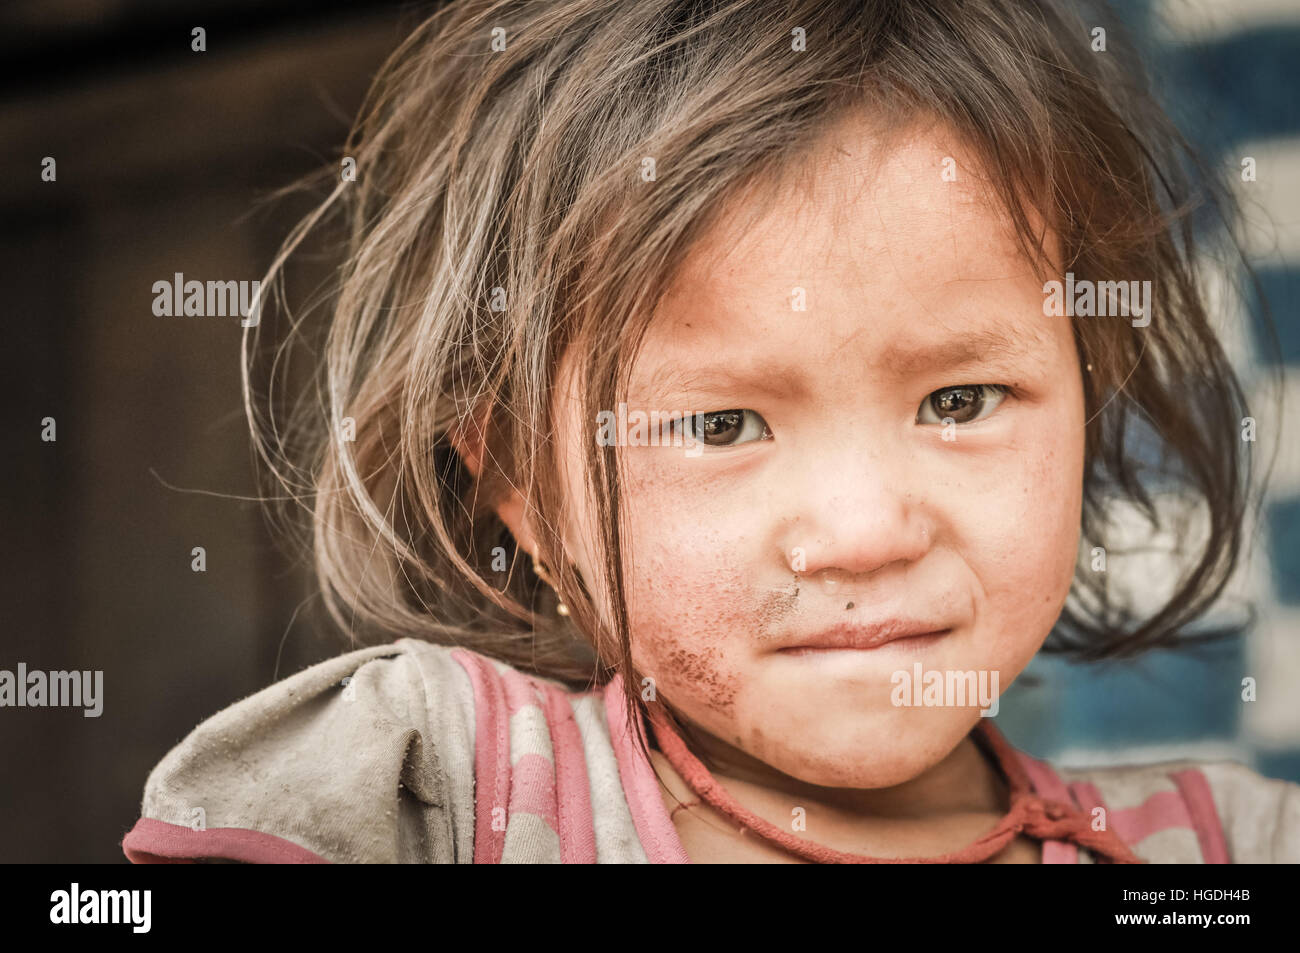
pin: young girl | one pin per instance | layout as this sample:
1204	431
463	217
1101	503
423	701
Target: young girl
704	447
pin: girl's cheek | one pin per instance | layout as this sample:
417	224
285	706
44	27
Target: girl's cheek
1029	536
688	599
684	622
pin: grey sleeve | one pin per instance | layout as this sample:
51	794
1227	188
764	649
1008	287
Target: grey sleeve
340	759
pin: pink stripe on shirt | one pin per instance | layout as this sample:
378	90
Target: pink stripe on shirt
1159	812
654	827
157	842
577	828
491	756
1045	782
1200	806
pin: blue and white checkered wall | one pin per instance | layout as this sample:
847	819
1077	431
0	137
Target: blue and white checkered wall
1229	72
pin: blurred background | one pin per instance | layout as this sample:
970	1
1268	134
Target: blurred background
1228	72
164	157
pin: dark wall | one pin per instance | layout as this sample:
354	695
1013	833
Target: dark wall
164	156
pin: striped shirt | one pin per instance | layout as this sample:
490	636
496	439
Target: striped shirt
415	752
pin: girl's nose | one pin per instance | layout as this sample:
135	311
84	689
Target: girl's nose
857	519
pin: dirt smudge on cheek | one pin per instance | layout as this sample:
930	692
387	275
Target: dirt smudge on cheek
710	684
774	608
698	620
696	670
778	603
692	630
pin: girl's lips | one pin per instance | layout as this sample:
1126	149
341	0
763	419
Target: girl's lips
865	637
911	642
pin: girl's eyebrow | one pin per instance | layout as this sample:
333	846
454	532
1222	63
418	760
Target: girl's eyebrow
994	347
774	379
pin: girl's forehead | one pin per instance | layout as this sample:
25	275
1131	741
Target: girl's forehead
907	211
882	249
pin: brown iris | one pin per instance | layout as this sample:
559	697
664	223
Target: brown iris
962	404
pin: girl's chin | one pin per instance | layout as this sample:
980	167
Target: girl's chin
876	751
873	773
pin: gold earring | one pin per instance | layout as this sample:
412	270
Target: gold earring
542	574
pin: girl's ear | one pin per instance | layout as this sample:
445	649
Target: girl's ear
469	442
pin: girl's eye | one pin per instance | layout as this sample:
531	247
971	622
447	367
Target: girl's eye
963	404
724	428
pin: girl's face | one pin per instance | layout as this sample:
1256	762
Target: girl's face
830	502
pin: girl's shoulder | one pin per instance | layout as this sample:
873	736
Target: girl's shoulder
350	760
409	752
1185	811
